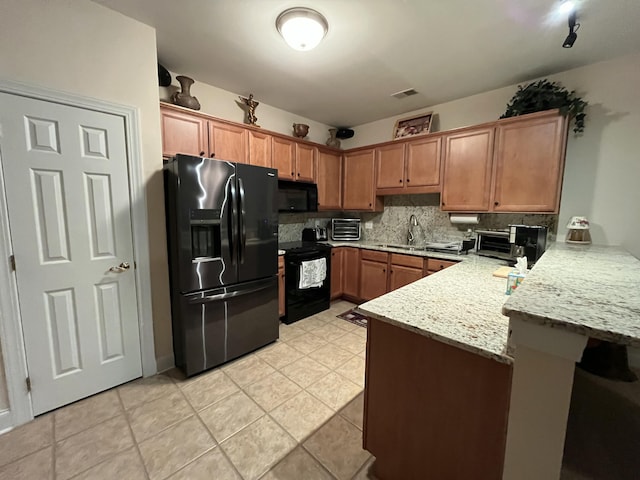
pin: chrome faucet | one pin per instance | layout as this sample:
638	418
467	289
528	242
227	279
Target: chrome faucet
413	222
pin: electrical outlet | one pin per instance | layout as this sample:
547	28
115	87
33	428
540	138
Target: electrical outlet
368	225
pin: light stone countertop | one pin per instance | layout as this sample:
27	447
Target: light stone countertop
459	306
587	289
389	248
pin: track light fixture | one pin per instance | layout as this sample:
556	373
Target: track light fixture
573	28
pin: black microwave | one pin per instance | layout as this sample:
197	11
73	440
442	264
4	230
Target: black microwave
297	196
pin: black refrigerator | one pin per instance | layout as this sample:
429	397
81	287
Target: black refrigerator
222	235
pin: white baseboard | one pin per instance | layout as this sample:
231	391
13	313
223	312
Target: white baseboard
165	363
6	421
634	357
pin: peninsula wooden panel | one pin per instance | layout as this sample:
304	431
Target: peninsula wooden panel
259	149
466	181
433	410
329	179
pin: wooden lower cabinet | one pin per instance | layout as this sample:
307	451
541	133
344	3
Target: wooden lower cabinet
434	265
399	276
281	288
433	410
373	279
336	272
351	273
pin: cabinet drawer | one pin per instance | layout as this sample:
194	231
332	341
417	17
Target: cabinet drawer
407	260
374	256
280	262
435	265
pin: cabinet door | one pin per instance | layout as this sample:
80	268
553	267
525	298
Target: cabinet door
359	181
466	181
399	276
351	272
306	163
434	265
390	166
529	162
282	157
423	163
183	133
336	272
281	287
373	279
227	142
259	149
329	179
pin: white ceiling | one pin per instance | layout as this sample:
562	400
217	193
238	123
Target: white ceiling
445	49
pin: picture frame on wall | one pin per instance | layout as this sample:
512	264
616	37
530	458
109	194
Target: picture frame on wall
411	126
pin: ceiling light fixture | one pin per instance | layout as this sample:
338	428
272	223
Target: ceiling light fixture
573	28
567	7
302	28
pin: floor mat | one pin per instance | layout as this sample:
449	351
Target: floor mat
354	317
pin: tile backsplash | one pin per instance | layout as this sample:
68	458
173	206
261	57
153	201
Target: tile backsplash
391	225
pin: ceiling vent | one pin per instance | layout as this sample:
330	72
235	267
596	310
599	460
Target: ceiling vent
405	93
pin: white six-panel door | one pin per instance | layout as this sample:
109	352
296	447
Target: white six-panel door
67	189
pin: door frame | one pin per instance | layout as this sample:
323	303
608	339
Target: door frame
12	341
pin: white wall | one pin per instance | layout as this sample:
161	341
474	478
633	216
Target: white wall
602	167
222	104
80	47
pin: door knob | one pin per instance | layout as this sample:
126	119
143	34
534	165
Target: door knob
120	268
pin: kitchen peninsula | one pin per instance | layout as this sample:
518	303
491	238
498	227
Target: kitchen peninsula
444	379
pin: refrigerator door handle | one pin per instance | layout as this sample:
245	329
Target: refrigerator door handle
225	296
234	223
243	229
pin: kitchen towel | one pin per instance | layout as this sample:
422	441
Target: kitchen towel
312	273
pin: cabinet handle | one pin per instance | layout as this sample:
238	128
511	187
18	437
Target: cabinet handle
384	270
202	154
400	180
369	204
408	180
443	204
496	203
213	154
298	173
293	174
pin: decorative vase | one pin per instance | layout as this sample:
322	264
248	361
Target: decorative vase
300	130
184	98
332	141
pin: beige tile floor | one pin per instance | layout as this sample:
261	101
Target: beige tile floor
290	411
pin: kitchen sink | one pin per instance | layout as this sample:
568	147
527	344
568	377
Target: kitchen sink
401	247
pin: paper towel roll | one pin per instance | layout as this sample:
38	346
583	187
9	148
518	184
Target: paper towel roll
468	218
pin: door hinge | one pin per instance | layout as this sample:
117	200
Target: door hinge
12	263
135	266
28	381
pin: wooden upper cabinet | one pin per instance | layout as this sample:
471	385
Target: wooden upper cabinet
283	157
227	142
423	163
183	133
305	157
390	169
409	167
359	192
529	163
466	180
259	148
329	179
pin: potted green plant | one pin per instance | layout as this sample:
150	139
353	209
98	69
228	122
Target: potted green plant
545	95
